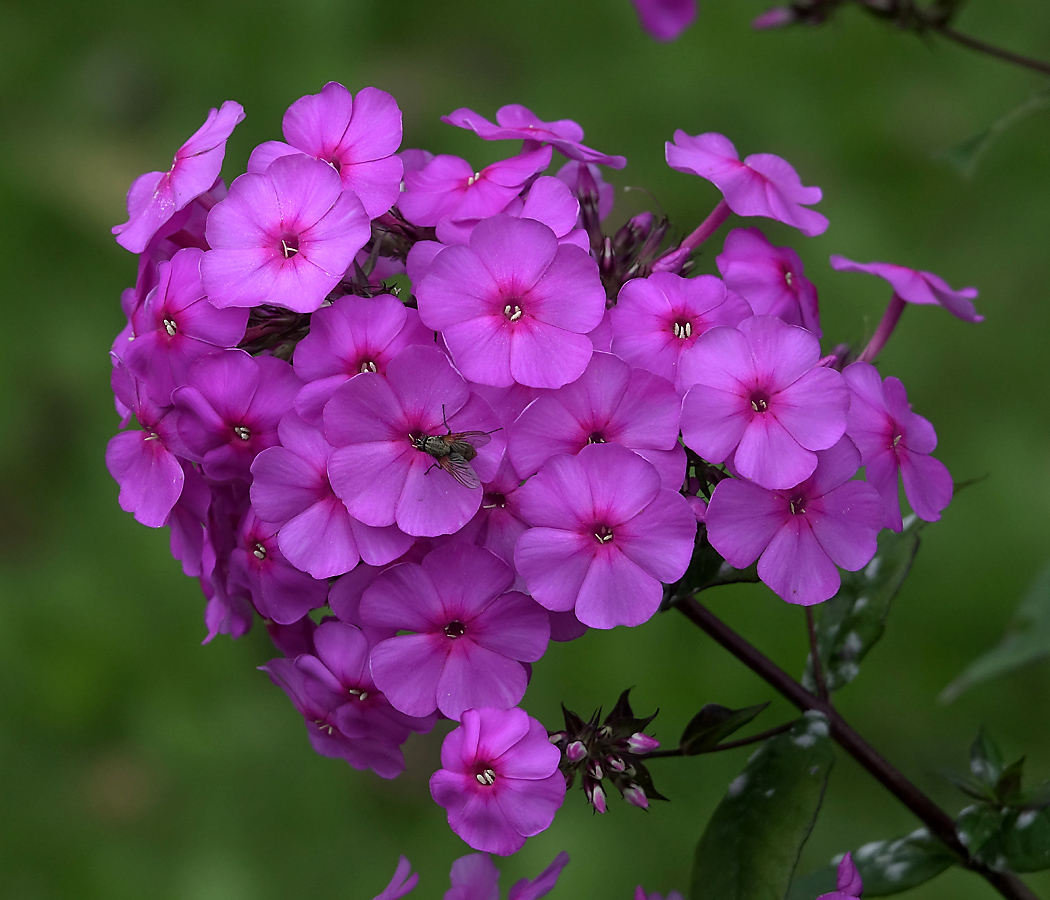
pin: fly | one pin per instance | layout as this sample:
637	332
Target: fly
454	450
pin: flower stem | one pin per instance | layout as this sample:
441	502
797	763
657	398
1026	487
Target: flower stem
814	655
1025	62
695	238
894	311
936	819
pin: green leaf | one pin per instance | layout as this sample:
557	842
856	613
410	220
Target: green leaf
966	156
976	825
970	786
885	867
713	724
1008	787
751	844
1021	842
986	759
1027	640
851	622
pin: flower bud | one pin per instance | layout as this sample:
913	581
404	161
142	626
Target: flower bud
636	796
596	797
641	743
576	751
615	764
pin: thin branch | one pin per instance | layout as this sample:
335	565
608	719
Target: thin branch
1025	62
728	745
814	655
936	819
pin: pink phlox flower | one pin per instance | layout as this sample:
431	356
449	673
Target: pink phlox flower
142	462
376	424
187	521
462	634
769	278
498	523
353	335
177	325
338	668
229	409
449	189
156	196
258	568
656	319
605	535
293	638
402	883
516	122
761	185
665	20
892	439
283	237
848	881
499	781
582	178
801	534
515	305
551	202
610	403
475	877
227	612
357	136
915	286
759	396
290	490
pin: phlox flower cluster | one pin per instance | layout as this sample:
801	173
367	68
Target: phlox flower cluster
422	419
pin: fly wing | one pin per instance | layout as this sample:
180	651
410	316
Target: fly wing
460	469
474	438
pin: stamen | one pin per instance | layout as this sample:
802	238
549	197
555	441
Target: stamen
683	330
492	500
486	777
473	178
455	629
512	311
595	438
603	533
360	695
759	404
368	366
243	432
170	327
796	506
897	438
788	278
259	552
289	247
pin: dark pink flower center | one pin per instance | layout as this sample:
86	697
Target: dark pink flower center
455	629
595	437
759	402
289	245
359	694
797	505
682	329
243	432
512	310
485	774
170	327
259	552
603	533
367	365
493	499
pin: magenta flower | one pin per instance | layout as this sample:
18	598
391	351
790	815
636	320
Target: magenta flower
283	237
402	883
609	403
499	781
892	439
353	335
761	185
515	305
278	590
156	196
467	633
758	395
914	286
848	882
142	462
498	524
516	122
356	136
449	188
801	534
665	20
769	278
605	535
290	490
229	409
177	325
376	424
641	894
475	877
656	319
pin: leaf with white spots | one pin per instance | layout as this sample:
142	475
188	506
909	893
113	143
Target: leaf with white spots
851	623
714	724
752	842
885	867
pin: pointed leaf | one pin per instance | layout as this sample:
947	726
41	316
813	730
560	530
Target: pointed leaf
885	867
851	622
751	844
713	724
1008	787
1027	640
966	156
970	786
976	825
986	759
1020	844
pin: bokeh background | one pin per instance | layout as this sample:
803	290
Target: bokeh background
135	763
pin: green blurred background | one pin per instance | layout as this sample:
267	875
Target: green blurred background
135	763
